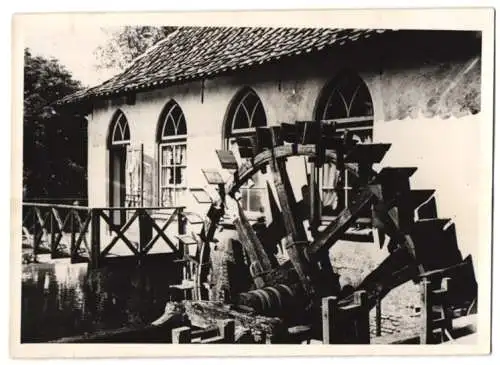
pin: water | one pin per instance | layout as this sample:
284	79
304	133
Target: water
64	300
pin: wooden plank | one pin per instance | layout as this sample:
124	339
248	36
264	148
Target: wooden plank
296	237
295	233
213	176
247	146
340	224
363	318
420	196
259	261
428	210
289	132
227	159
367	153
200	195
263	140
435	243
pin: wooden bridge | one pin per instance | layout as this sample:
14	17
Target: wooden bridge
86	234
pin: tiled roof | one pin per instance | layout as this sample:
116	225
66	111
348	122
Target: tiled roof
201	52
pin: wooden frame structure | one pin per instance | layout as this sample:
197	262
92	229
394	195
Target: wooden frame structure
50	222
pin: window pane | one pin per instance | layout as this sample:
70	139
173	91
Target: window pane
168	128
329	173
180	196
167	155
241	119
259	116
170	175
362	103
180	176
126	132
336	107
180	153
329	202
164	176
168	197
181	128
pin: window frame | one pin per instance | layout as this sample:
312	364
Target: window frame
173	141
335	86
231	133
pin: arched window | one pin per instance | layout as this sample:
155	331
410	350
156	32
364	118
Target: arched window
118	140
120	131
245	114
172	139
346	101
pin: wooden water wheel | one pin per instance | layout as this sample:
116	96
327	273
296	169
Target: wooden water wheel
419	242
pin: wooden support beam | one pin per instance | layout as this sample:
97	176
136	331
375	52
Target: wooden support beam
296	239
342	222
227	328
329	314
426	336
95	241
259	261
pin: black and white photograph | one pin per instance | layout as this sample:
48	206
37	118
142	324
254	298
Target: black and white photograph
304	179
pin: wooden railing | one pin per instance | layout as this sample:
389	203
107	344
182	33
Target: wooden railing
46	226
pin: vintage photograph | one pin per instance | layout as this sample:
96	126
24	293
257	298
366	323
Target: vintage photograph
249	184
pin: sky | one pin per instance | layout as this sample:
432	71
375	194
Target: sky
73	43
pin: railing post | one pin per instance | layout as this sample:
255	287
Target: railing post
95	231
227	329
181	221
426	312
378	318
181	335
73	250
363	320
37	233
329	314
145	231
52	237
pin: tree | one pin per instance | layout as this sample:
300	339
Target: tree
126	43
54	142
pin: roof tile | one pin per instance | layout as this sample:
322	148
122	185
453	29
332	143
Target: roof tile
194	52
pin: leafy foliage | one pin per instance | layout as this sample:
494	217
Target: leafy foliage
54	142
127	43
